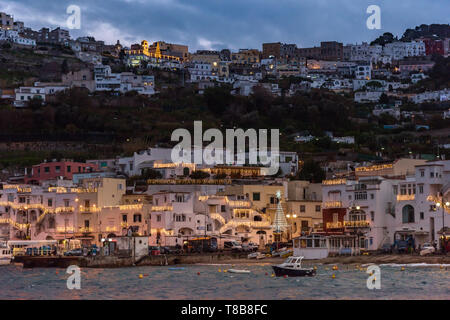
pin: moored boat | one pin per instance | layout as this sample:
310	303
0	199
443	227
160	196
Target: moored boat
238	271
292	268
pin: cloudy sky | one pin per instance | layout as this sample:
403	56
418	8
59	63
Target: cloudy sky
233	24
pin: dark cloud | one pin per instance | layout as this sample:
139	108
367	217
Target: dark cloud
231	23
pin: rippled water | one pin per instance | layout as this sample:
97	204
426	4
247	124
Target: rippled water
417	282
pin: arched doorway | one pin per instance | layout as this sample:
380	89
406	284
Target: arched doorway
408	215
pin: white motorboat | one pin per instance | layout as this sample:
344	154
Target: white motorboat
292	267
256	255
238	271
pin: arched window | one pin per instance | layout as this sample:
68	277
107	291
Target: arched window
185	171
408	214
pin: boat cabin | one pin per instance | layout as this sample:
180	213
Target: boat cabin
293	262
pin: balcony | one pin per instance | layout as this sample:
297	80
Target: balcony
332	204
406	197
335	225
357	224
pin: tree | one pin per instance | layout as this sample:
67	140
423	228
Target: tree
64	67
199	175
151	174
311	171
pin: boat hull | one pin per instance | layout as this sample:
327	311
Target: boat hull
281	272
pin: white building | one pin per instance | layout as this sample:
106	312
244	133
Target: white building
367	96
123	82
14	37
38	91
442	95
201	70
399	50
390	208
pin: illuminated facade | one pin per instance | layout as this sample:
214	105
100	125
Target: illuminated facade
158	52
383	210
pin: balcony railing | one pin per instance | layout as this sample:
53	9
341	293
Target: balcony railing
357	224
333	204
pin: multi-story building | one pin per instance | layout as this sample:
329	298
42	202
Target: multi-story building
246	57
14	37
57	169
304	208
376	209
400	50
45	35
38	91
81	79
433	46
123	82
200	70
279	50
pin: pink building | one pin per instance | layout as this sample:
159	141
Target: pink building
53	170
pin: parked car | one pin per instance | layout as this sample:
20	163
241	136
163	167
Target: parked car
74	252
386	248
232	245
154	251
249	247
427	248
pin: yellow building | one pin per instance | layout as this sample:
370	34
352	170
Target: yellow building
263	197
246	56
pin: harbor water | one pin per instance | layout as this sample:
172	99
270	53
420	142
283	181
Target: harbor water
212	282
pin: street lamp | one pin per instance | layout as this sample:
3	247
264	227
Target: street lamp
443	205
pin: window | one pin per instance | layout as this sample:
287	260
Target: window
69	168
408	214
57	169
222	208
124	218
86	223
422	173
302	208
305	226
137	217
431	174
66	203
318	208
422	216
158	218
395	189
47	169
372	196
360	195
372	215
421	189
21	199
49	202
256	196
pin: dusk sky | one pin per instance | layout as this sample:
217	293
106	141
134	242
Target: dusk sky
233	24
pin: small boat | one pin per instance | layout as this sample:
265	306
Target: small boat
256	255
292	267
5	255
238	271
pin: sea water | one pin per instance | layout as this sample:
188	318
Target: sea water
212	282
